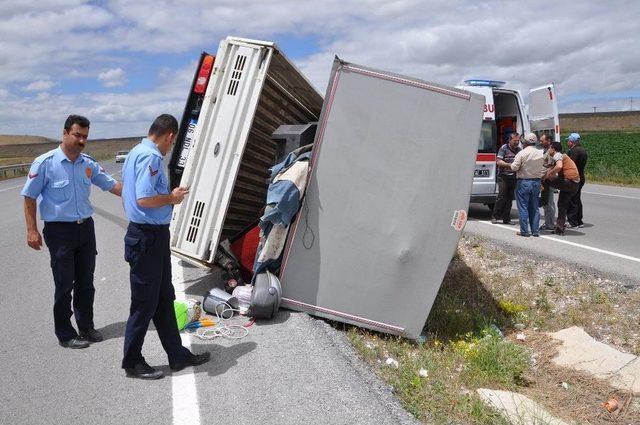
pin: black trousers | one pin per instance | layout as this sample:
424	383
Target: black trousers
146	249
506	195
567	189
72	247
575	208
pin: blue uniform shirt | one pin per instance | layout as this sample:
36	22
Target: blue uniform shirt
62	187
143	176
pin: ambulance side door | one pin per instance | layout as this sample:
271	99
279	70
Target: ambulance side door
543	111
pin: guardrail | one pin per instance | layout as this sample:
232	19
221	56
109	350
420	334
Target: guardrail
16	170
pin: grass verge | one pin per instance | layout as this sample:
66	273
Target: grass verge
486	292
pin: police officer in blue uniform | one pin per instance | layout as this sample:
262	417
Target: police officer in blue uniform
148	205
59	182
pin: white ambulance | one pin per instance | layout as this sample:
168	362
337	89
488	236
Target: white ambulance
504	113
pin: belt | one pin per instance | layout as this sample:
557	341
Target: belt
81	221
528	179
148	226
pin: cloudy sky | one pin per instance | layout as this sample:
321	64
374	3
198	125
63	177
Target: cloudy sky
121	63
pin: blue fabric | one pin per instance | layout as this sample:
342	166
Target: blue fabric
62	187
152	294
290	159
283	202
73	259
285	197
143	176
527	197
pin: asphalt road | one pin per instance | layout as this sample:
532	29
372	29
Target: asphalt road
292	370
609	243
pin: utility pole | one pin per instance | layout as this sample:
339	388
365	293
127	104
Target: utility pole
594	109
631	101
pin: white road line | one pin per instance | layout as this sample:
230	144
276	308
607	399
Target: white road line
9	188
555	239
186	409
610	194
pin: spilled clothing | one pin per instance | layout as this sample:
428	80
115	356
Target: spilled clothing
288	183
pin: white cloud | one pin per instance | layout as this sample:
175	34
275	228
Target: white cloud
114	77
40	85
587	48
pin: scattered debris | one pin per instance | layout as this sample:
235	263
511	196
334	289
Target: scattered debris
565	385
424	373
465	392
521	336
392	362
497	330
611	405
519	326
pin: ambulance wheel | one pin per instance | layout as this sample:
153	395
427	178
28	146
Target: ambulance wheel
490	206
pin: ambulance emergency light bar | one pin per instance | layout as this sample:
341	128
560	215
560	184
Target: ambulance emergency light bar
485	83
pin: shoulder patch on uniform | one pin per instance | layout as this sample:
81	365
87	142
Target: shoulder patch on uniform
153	173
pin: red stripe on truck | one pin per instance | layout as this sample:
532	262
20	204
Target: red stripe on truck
485	157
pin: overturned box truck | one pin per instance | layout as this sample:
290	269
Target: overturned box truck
385	197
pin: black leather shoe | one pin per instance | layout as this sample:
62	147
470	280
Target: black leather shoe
91	335
193	360
143	371
74	343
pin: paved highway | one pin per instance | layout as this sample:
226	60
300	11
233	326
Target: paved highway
289	371
609	241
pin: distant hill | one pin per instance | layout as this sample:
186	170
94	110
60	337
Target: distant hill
23	151
14	139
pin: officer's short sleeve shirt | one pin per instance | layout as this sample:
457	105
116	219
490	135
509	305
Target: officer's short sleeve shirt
143	176
62	187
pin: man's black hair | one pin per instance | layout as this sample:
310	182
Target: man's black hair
557	146
76	119
162	125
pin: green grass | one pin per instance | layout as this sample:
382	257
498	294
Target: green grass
455	370
464	351
614	157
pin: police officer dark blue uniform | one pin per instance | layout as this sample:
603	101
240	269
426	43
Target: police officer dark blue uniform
59	182
148	205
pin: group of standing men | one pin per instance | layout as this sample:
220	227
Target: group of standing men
529	174
59	183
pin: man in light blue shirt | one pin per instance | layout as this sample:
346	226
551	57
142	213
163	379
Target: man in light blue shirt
59	182
148	204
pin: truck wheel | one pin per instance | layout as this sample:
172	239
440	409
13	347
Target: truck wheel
490	206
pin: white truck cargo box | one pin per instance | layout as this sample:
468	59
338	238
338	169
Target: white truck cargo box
253	89
386	201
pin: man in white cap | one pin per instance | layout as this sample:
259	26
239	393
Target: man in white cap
579	156
529	167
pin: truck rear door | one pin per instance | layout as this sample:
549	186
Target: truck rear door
386	199
543	111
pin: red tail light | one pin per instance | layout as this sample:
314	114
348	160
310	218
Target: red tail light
203	74
485	157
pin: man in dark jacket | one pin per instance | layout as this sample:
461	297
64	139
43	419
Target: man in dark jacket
506	180
579	155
